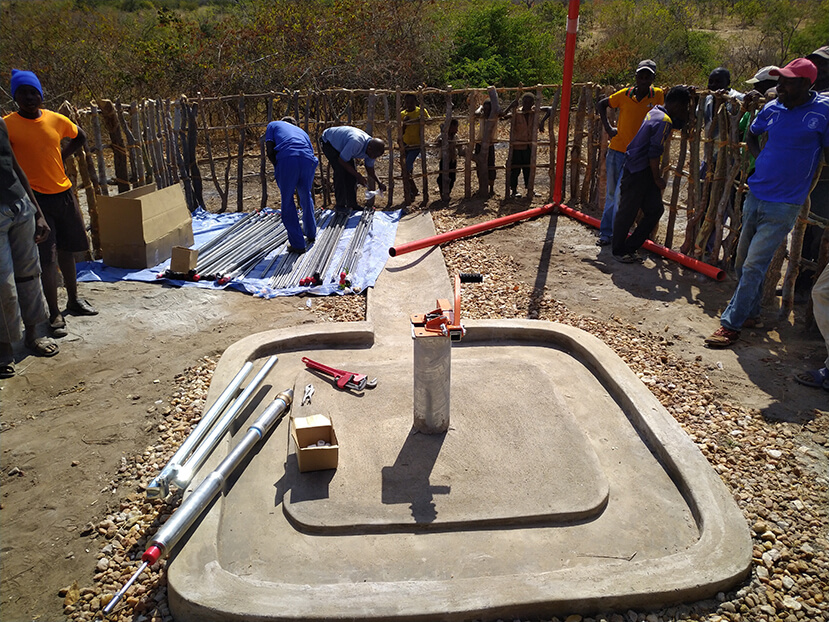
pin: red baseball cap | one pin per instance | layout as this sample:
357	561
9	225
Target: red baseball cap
798	68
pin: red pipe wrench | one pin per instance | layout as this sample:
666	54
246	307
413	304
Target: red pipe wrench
344	379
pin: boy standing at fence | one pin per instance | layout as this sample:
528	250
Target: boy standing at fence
35	135
633	104
797	128
642	182
410	118
522	136
289	149
490	113
454	151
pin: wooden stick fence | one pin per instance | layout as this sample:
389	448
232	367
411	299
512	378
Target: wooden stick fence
177	141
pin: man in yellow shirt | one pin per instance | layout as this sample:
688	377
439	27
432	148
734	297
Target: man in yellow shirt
410	117
35	135
633	104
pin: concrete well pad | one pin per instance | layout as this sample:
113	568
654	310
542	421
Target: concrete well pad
562	485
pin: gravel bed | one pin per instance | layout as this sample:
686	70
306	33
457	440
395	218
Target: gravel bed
776	470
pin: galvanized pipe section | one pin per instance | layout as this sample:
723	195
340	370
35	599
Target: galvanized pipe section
194	505
160	486
431	382
189	468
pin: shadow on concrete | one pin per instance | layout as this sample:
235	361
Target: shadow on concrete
407	480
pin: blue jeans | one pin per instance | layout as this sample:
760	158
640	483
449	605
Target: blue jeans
615	163
21	296
296	173
765	226
411	155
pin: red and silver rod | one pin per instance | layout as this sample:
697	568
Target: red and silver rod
193	506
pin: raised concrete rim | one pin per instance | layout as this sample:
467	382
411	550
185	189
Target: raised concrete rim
720	558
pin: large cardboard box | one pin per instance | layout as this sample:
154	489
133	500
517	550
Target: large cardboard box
139	228
307	433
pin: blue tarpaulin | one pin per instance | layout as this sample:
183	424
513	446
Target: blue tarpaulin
206	226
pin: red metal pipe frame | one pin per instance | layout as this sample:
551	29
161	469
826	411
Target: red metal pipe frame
471	230
689	262
566	90
561	153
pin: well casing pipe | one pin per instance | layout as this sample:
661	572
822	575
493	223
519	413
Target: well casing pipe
186	472
160	486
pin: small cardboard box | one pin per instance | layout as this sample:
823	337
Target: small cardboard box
307	432
139	228
184	259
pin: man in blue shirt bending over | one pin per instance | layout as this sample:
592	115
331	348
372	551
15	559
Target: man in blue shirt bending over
797	129
290	151
642	183
342	145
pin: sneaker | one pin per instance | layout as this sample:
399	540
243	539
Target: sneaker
516	194
628	258
604	242
722	338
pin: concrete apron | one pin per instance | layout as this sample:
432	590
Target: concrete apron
561	486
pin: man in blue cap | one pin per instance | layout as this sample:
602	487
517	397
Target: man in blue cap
35	135
290	151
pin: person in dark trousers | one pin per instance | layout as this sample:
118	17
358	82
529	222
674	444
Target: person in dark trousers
22	226
642	183
35	135
289	149
454	151
410	118
796	125
342	145
633	103
523	120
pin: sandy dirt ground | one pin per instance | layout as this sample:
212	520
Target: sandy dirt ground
68	421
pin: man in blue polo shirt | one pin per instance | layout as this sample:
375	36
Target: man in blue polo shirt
290	151
342	145
797	128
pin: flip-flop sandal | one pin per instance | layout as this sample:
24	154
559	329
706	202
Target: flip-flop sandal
815	378
43	346
81	307
58	328
7	369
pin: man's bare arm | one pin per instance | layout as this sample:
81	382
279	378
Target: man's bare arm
74	145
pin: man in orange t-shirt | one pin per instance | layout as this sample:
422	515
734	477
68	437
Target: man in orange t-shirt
35	135
633	104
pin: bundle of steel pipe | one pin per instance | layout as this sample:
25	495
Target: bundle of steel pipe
355	248
300	270
244	248
290	261
316	270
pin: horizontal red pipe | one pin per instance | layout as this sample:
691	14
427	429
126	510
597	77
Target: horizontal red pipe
689	262
467	231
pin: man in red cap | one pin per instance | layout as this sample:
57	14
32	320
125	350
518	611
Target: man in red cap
797	129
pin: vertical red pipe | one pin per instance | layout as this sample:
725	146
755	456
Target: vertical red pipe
566	89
